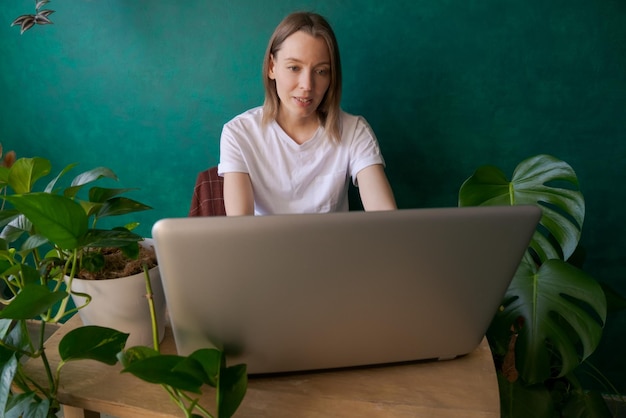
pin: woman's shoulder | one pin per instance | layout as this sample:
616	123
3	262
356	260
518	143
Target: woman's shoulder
350	122
251	117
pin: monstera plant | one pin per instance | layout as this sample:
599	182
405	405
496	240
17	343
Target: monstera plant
553	313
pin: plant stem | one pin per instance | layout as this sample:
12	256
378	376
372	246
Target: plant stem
44	359
176	395
176	398
150	297
63	306
23	380
195	404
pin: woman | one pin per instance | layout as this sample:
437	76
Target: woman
297	153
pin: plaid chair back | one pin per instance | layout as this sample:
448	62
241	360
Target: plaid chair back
208	194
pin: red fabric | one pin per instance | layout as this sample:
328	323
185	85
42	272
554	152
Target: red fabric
208	195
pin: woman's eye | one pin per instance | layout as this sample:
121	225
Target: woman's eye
292	68
323	71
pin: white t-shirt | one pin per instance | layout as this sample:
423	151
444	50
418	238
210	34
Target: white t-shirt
312	177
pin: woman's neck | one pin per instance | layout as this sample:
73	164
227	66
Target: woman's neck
299	130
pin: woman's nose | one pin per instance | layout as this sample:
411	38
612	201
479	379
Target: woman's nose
306	80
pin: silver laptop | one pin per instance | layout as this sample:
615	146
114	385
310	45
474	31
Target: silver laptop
300	292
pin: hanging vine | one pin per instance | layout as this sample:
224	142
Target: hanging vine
40	17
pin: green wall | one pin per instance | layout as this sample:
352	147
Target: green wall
143	87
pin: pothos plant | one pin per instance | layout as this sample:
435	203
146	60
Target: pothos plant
184	376
52	233
553	313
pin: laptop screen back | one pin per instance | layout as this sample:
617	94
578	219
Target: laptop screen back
300	292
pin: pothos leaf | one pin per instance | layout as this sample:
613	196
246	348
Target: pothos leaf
92	342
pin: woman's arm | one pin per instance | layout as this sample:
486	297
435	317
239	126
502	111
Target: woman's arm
238	196
375	190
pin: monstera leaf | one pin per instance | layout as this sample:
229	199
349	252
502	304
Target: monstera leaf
541	180
555	309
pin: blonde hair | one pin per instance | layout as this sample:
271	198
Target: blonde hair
315	25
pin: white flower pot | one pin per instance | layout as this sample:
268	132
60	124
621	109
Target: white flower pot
121	304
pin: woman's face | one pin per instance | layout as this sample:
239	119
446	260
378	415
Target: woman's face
301	70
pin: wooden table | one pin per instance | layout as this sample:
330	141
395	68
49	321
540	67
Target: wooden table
463	387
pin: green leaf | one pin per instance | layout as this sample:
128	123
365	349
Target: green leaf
92	342
175	371
8	268
7	215
88	177
120	206
26	171
7	373
92	175
520	401
488	186
17	338
191	367
5	325
50	187
34	241
4	176
586	404
26	273
93	261
541	180
232	386
131	226
100	238
129	356
102	194
16	226
31	302
562	308
131	250
28	405
90	208
59	219
19	404
30	276
40	409
20	337
211	361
